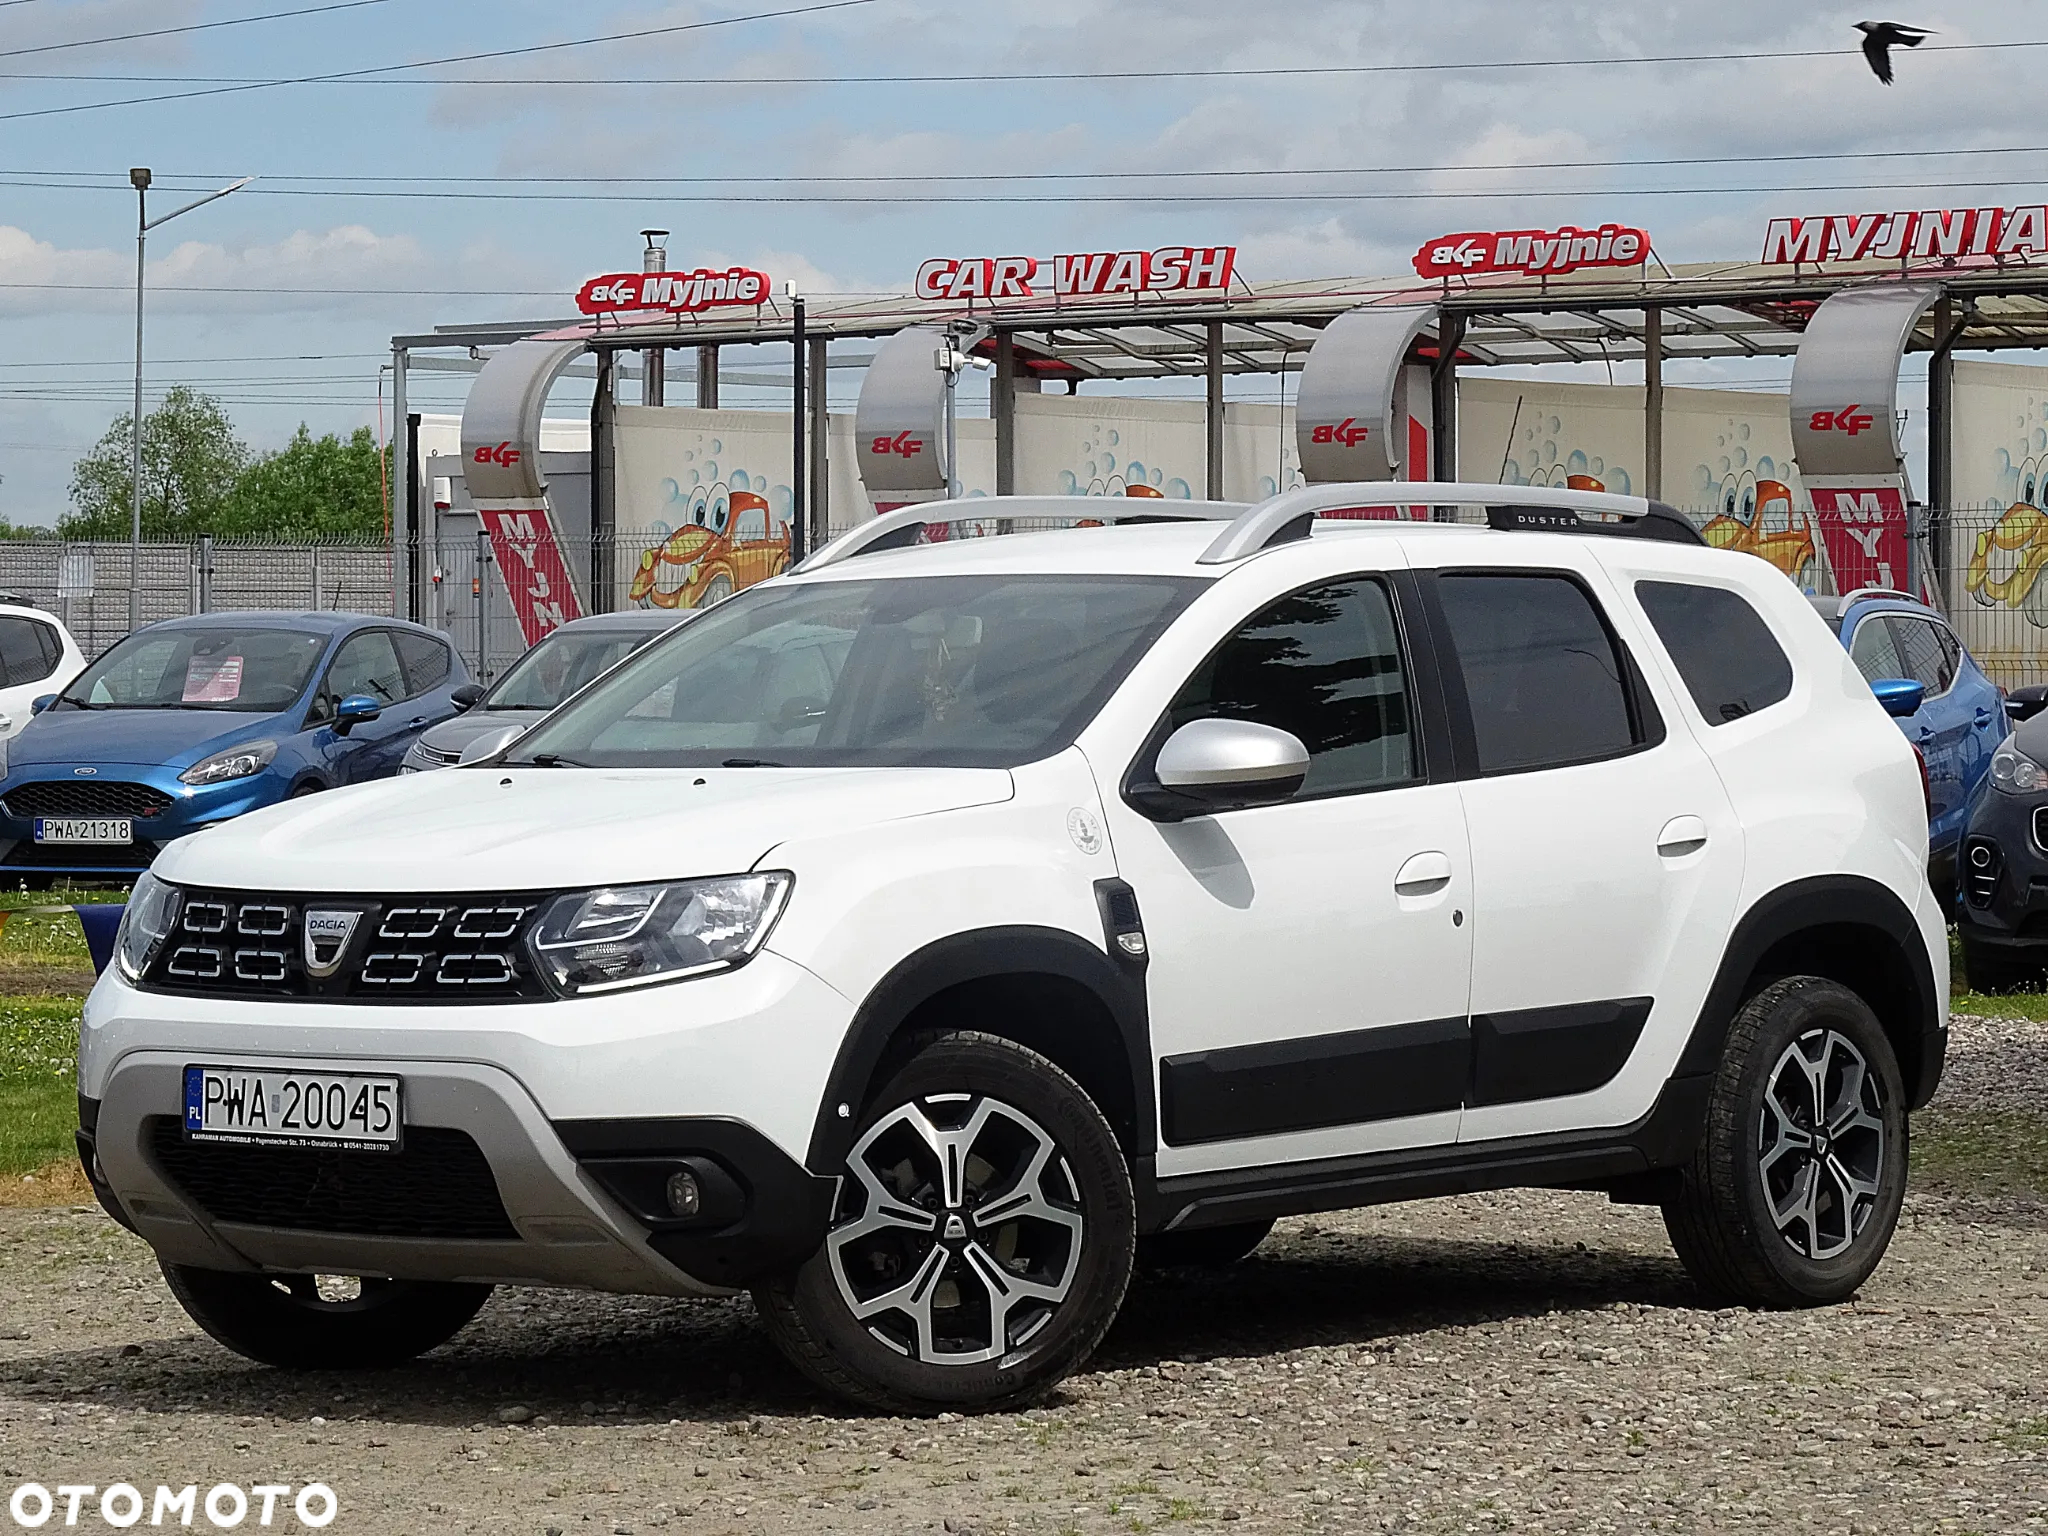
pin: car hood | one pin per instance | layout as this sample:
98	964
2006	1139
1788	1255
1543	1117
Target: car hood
511	829
2031	737
151	738
454	735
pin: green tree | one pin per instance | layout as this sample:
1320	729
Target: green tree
191	462
315	487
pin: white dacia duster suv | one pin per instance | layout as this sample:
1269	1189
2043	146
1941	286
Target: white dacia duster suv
922	938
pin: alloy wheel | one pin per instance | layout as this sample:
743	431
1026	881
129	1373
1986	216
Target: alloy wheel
1821	1143
959	1232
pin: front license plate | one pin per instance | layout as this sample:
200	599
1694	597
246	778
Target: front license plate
84	829
292	1109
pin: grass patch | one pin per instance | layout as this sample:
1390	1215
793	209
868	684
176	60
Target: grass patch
1984	1152
38	1082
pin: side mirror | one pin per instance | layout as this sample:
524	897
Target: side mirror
466	696
353	711
490	744
2023	704
1220	765
1900	696
41	702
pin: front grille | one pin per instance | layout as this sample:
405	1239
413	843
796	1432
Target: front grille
29	854
438	1184
2041	827
85	797
1980	871
401	949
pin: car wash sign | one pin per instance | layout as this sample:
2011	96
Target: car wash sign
1532	252
1181	271
1944	234
677	293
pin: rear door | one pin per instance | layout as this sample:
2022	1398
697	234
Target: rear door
1606	858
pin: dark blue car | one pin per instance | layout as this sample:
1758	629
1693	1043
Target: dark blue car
1958	721
197	720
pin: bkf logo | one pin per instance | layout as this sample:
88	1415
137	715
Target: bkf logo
1851	419
504	454
1347	432
904	444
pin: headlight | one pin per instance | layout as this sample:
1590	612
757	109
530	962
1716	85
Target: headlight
152	913
629	935
2015	772
235	763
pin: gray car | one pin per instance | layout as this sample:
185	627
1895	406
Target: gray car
547	674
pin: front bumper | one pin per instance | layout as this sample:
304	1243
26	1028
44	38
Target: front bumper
531	1129
192	809
2002	873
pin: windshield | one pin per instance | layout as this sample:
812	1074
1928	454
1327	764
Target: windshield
239	671
558	666
943	671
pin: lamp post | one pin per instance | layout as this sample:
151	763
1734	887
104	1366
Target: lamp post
139	178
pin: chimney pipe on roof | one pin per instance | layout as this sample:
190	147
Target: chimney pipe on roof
653	386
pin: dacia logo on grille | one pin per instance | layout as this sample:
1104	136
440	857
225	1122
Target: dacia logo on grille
327	936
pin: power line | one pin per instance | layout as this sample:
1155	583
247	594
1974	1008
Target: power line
993	77
459	58
120	178
197	26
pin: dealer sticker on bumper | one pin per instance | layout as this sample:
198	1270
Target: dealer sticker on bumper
256	1105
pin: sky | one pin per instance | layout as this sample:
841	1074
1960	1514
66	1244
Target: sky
382	203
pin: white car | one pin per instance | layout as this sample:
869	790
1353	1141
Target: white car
37	656
920	938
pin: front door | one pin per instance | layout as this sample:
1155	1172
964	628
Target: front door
1309	960
367	664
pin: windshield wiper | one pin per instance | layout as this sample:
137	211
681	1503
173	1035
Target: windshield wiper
548	760
750	762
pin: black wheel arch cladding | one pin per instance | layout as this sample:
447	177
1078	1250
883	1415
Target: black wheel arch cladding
1045	988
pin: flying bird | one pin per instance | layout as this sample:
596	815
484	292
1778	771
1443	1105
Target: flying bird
1879	37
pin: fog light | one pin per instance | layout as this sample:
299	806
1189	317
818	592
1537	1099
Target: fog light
685	1197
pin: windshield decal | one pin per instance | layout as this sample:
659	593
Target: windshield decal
213	680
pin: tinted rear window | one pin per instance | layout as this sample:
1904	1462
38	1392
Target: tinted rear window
1544	677
1731	662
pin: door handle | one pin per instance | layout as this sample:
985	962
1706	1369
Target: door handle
1425	874
1681	835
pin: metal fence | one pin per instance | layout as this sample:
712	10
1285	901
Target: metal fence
1987	567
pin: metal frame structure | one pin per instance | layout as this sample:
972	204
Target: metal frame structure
1637	315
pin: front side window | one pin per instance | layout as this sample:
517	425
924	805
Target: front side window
1927	660
1324	664
1731	662
939	671
558	666
1544	678
240	671
366	664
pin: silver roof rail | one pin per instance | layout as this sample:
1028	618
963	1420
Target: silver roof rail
1842	606
900	529
1292	514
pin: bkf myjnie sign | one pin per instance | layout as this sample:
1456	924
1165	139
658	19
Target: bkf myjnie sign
1194	271
1532	252
676	292
1932	234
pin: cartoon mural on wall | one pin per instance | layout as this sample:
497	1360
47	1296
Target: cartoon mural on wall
1102	466
726	528
2007	557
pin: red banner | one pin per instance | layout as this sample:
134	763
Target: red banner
543	594
1864	528
678	292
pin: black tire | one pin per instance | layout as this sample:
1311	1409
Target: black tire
1993	971
310	787
1203	1248
282	1320
1019	1112
1749	1166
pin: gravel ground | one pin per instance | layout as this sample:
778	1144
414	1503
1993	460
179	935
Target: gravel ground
1532	1361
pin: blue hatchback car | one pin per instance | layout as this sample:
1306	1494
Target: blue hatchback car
197	720
1958	721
